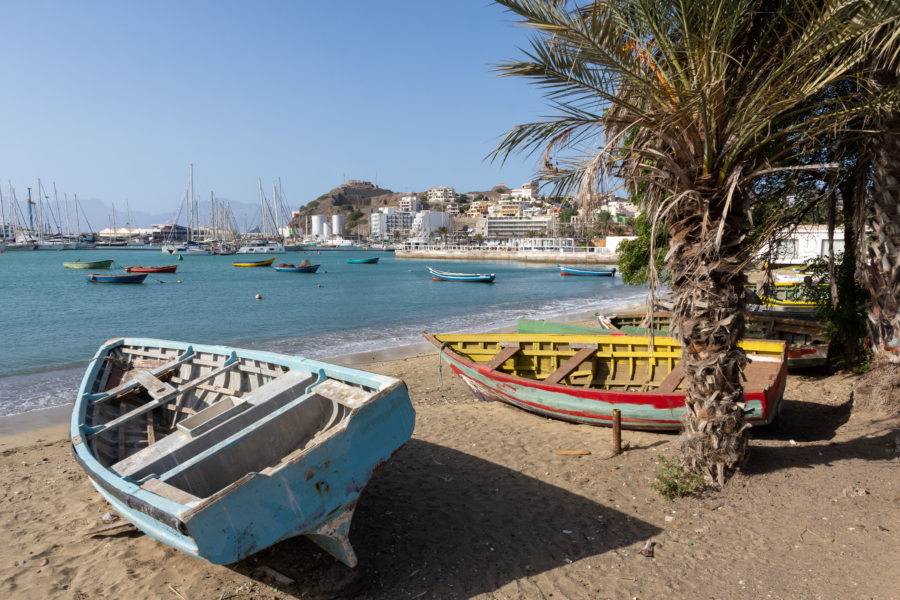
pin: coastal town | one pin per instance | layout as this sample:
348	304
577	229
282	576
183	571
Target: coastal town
602	300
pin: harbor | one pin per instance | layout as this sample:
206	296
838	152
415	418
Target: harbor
208	300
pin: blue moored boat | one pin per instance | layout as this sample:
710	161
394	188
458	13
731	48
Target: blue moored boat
470	277
222	452
128	278
363	261
566	270
292	269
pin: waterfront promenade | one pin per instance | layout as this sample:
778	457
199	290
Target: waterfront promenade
560	255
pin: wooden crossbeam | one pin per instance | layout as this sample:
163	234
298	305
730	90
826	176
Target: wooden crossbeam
164	398
501	357
670	383
570	365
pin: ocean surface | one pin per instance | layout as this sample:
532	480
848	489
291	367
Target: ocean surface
52	320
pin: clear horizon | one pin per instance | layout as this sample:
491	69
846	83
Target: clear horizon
114	101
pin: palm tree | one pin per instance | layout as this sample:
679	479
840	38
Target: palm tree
694	103
880	270
442	231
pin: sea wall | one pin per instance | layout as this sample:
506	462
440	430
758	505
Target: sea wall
574	256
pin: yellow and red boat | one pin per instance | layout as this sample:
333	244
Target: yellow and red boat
583	378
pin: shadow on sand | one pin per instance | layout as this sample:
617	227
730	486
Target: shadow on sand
438	523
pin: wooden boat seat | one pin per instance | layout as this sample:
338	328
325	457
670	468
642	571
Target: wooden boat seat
760	372
584	353
132	384
507	350
212	425
671	381
258	447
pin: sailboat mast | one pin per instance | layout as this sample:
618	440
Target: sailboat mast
2	215
77	218
261	213
191	207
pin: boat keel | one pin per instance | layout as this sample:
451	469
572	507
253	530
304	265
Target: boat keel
333	537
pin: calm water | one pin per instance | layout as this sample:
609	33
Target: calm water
52	320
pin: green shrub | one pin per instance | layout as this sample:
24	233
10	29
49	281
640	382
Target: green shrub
674	481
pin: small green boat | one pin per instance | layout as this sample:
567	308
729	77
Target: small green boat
90	264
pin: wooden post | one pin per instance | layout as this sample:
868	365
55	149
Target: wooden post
617	431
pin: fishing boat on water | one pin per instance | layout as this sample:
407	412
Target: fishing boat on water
363	261
254	263
583	378
468	277
128	278
566	270
87	264
288	268
221	452
160	269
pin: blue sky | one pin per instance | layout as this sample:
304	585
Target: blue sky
113	100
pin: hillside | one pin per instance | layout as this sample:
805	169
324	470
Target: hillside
366	198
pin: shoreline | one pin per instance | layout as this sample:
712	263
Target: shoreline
56	416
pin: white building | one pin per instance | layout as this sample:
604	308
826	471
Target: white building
806	242
383	223
441	194
511	227
410	204
528	191
427	222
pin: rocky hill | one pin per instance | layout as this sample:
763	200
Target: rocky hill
366	198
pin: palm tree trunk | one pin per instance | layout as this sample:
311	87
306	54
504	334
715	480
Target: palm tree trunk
881	273
707	281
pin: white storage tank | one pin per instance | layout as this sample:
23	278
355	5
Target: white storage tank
326	230
318	224
337	224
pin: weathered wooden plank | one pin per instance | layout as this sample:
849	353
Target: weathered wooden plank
571	364
670	383
122	410
170	492
151	433
502	356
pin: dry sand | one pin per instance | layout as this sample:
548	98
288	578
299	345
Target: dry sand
478	505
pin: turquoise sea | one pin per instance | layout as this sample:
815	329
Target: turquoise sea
52	320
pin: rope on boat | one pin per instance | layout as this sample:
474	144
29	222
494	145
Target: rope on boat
440	374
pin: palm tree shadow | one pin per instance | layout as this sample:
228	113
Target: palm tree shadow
435	522
806	421
880	446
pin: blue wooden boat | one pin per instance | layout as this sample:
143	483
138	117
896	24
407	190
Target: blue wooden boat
566	270
363	261
292	269
470	277
127	278
222	452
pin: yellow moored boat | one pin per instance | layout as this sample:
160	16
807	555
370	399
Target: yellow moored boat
254	263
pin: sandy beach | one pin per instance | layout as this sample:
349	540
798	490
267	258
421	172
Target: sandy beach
478	505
